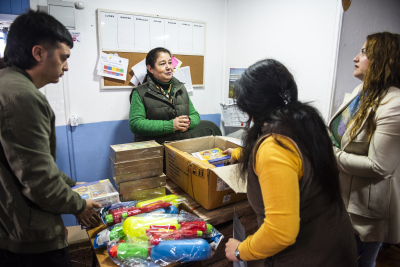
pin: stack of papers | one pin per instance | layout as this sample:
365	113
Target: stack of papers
139	72
213	156
183	75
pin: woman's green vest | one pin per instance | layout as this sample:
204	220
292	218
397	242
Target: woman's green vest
158	107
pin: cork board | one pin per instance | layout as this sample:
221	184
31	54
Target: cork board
196	64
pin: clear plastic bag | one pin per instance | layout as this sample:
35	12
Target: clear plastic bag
162	239
117	212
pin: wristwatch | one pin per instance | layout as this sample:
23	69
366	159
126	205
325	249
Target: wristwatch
237	254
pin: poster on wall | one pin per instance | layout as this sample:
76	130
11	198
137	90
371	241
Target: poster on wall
233	116
112	66
234	75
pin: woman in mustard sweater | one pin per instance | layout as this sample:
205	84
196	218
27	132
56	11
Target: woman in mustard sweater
293	183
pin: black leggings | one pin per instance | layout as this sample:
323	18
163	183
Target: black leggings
59	258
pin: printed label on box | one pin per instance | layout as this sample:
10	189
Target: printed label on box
201	173
226	199
222	186
194	169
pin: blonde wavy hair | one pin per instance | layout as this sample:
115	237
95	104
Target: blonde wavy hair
383	72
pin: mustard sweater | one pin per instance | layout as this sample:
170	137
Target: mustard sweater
279	172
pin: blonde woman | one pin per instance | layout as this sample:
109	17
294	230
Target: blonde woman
366	136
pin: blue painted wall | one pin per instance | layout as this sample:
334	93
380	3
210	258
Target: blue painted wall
14	7
83	152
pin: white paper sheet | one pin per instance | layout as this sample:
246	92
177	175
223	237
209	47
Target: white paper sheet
134	80
172	35
126	32
185	37
157	33
183	75
140	70
233	116
109	26
112	66
198	38
142	33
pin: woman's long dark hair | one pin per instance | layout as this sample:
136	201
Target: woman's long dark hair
267	92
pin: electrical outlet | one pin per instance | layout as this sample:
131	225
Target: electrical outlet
73	121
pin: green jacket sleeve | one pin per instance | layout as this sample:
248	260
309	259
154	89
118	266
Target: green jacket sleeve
142	126
25	134
67	180
193	116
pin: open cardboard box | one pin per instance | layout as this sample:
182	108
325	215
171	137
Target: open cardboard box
210	186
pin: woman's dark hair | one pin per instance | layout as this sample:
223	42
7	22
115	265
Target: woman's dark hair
30	29
267	92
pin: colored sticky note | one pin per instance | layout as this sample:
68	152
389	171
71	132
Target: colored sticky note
113	69
109	68
105	67
108	72
121	74
116	74
104	71
174	62
113	72
121	70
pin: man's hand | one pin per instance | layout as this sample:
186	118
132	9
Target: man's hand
89	217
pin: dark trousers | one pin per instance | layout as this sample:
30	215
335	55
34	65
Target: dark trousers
205	128
54	258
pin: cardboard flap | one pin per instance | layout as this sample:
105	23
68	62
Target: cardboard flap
229	174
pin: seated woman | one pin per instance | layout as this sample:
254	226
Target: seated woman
293	179
161	108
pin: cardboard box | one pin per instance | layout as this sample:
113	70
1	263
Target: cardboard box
138	175
148	183
136	151
210	186
135	166
103	192
145	194
77	238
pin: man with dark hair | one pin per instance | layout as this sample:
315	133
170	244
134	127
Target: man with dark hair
33	191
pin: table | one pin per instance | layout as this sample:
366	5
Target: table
221	218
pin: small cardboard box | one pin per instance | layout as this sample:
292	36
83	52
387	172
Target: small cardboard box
103	192
210	186
136	151
138	175
77	238
144	194
135	166
148	183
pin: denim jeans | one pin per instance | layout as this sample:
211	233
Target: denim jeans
368	251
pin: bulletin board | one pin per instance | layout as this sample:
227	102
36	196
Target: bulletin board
186	41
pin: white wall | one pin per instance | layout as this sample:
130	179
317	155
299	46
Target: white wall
301	34
361	19
91	104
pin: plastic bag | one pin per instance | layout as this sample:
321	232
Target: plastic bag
162	239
